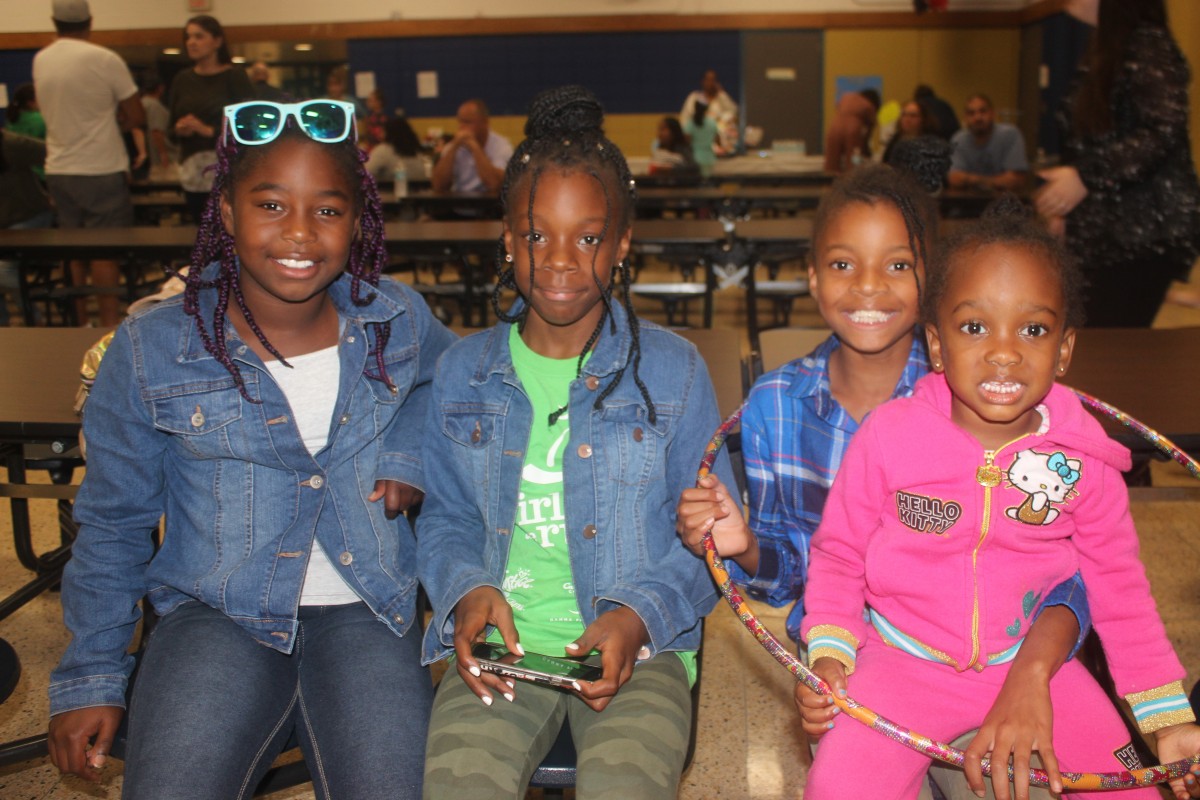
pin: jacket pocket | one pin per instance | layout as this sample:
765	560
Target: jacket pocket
472	427
635	449
203	415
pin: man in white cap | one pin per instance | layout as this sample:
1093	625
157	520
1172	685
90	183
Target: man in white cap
80	88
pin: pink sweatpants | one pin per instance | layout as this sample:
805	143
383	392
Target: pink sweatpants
933	699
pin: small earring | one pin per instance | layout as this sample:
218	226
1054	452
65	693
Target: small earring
1062	370
937	365
508	257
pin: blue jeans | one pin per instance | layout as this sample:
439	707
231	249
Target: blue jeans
212	707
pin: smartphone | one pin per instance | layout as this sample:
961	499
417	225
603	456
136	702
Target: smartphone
534	667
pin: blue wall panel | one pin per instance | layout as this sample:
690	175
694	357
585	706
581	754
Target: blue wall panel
16	67
631	73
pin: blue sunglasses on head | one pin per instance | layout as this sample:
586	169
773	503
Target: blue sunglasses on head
261	121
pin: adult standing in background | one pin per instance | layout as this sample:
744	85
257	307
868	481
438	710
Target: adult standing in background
987	155
198	98
81	87
848	141
158	122
721	108
1126	197
474	160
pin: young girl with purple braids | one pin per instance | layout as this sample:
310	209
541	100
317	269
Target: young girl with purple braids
272	414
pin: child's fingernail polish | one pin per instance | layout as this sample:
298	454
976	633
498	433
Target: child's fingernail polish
841	692
520	649
486	698
510	684
474	670
573	646
837	710
508	696
829	726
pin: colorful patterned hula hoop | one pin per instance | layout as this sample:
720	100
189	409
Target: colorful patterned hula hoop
1085	781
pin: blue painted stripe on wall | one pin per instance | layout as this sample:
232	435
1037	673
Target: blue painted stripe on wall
631	73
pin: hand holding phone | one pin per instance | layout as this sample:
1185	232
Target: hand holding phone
534	667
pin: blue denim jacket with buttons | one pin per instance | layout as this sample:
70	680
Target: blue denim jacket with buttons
622	477
169	434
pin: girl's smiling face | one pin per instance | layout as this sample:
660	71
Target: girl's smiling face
862	277
293	217
573	256
1000	337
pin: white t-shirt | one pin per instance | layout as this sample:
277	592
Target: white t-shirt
311	388
79	85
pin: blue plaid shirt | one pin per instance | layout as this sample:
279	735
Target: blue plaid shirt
793	437
794	434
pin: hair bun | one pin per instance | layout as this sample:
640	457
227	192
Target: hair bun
1006	206
564	111
926	158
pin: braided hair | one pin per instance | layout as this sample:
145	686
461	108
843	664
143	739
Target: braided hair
564	130
1006	221
368	252
874	184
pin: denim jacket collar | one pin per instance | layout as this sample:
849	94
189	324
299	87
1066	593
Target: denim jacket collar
379	310
609	353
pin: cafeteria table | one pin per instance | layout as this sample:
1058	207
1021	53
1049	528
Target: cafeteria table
39	369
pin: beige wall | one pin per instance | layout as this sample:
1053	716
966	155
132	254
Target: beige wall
1185	24
956	63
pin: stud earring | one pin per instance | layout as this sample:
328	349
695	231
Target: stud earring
937	365
508	257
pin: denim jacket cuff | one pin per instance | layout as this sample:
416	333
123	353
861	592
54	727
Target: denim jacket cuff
650	609
443	622
96	690
402	468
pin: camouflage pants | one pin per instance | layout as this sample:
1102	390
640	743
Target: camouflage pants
633	749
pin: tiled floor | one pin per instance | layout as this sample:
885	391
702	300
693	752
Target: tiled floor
749	744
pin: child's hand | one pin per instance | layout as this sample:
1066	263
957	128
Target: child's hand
480	607
710	506
619	635
397	497
816	710
70	733
1020	721
1175	743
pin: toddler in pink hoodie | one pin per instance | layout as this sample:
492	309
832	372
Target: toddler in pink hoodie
958	508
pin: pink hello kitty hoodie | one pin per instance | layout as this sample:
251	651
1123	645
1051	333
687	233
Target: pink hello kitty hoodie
951	548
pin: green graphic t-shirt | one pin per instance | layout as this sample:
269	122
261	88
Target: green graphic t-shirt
537	579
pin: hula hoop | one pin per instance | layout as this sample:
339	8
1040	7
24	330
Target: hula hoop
1084	781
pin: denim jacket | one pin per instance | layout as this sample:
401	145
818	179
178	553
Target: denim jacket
169	434
622	479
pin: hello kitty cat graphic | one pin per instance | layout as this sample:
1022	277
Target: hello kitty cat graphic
1046	479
